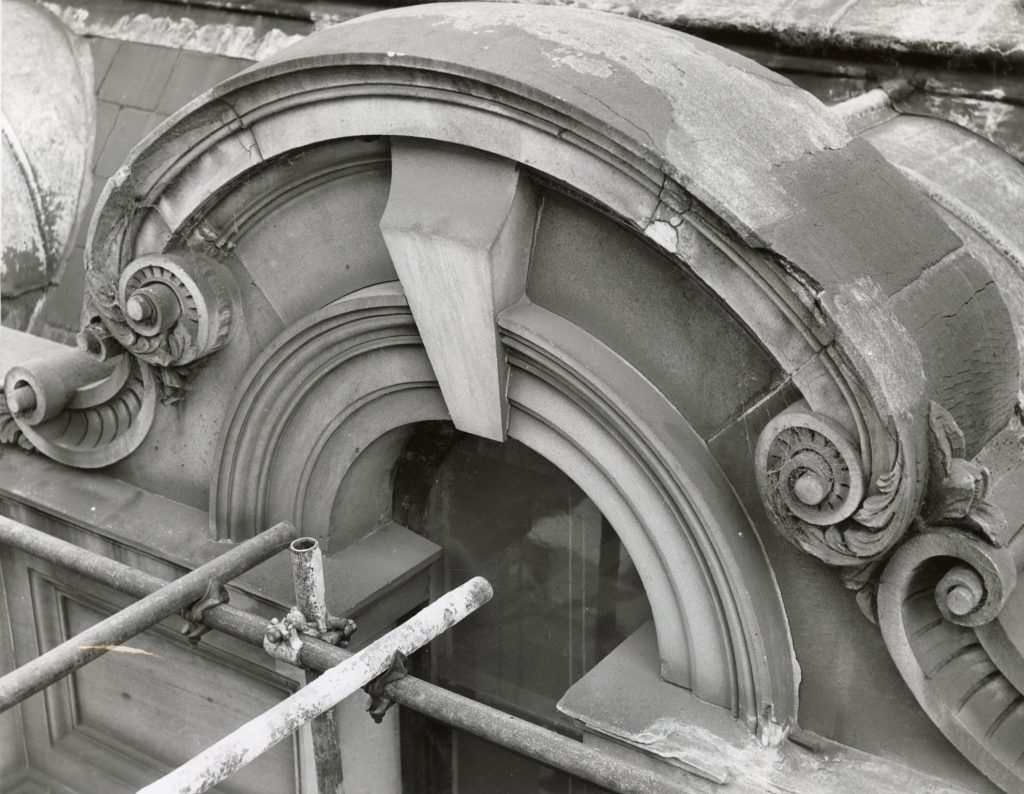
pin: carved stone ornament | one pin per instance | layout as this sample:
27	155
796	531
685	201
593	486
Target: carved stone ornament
77	410
812	481
932	586
936	598
168	310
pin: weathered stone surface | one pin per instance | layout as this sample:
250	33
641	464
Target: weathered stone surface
49	119
676	139
990	30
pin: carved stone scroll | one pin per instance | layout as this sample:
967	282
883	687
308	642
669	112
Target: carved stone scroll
168	309
812	482
79	411
928	585
938	589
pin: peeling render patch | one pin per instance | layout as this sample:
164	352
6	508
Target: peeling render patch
233	41
664	234
778	769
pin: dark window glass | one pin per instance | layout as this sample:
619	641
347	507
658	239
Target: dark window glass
565	592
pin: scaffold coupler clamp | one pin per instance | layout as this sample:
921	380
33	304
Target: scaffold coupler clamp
283	638
215	595
379	704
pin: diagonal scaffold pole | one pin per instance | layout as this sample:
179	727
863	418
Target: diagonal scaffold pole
168	599
432	701
251	740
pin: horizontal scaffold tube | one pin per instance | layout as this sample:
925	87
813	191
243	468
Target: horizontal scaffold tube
251	740
169	598
437	703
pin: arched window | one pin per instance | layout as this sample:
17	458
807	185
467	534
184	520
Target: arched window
566	594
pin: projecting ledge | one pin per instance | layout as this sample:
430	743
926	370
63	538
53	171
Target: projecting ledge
375	579
655	723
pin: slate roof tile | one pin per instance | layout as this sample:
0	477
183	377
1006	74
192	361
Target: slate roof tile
193	74
130	127
103	52
138	75
106	115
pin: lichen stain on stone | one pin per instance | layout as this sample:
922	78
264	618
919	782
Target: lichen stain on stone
23	271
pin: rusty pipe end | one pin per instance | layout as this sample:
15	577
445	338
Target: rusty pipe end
308	576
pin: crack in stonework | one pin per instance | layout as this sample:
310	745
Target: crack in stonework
244	126
969	299
657	204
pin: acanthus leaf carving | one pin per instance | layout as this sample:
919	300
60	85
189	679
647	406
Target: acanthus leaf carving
10	433
175	381
958	487
879	509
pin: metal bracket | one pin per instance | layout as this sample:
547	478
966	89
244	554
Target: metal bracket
282	640
379	704
215	595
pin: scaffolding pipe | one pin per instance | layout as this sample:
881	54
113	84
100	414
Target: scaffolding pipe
515	734
114	630
258	735
308	578
311	599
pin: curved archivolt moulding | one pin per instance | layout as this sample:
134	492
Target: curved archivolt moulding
351	373
814	240
836	263
321	394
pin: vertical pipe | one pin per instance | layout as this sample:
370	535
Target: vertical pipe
310	597
308	575
175	596
260	734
